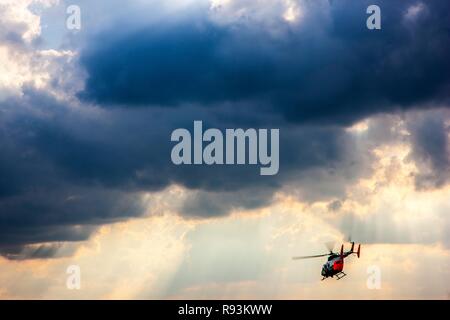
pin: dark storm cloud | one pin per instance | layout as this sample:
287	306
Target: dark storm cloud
40	200
130	149
202	203
66	168
40	251
335	205
61	213
327	68
430	149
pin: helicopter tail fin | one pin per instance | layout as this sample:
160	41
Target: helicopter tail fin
359	250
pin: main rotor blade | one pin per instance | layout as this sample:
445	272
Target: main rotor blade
308	257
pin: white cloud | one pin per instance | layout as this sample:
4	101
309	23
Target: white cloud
22	62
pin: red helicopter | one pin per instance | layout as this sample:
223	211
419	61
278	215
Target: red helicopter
335	263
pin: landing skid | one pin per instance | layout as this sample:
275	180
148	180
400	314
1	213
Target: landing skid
340	275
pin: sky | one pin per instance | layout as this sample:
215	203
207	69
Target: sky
86	177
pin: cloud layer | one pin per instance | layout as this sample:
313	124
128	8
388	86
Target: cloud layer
71	162
326	68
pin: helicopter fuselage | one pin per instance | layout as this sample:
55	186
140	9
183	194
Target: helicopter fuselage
333	266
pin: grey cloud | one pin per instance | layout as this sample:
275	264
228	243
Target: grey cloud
430	149
334	205
202	204
67	167
327	69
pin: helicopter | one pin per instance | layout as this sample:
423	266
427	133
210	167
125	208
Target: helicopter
335	263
